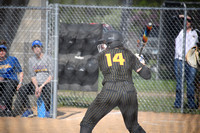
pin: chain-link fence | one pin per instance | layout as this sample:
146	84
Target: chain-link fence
159	93
22	25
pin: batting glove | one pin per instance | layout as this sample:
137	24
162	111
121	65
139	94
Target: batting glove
140	58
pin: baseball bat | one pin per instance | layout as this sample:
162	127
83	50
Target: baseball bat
145	36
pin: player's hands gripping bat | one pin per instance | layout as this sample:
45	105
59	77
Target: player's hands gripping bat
140	58
145	37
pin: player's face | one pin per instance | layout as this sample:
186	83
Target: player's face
188	25
101	47
37	50
2	53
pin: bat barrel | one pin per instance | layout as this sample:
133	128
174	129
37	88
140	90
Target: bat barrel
146	32
145	36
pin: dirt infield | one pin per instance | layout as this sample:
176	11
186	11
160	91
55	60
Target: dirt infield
68	121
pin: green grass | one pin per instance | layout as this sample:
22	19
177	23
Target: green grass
153	95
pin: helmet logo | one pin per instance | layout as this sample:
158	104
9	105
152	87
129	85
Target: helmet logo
111	38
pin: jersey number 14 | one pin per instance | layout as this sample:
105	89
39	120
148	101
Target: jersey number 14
118	57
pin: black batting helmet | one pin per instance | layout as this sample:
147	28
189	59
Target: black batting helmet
113	39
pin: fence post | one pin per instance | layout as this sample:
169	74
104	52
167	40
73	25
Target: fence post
56	37
183	57
47	23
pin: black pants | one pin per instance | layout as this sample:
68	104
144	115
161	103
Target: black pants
29	89
120	94
8	90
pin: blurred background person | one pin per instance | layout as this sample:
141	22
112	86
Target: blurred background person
190	72
40	70
9	83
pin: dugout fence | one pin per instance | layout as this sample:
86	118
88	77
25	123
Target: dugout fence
21	25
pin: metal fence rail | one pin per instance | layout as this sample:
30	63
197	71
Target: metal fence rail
22	25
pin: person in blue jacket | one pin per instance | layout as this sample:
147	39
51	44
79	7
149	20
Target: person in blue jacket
9	83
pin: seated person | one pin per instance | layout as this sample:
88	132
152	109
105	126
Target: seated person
40	69
9	83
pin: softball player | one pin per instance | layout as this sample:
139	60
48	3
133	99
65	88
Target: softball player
116	64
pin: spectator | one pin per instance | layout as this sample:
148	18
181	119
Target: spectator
40	69
9	83
191	39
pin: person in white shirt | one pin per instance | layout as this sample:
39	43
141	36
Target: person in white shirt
190	72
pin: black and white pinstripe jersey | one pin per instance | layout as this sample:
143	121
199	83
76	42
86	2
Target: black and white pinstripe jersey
117	64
